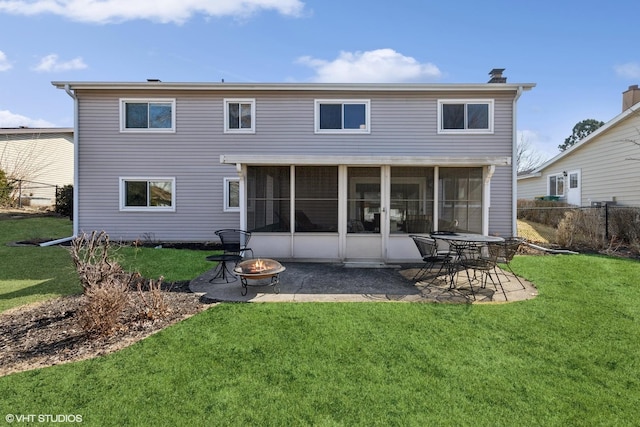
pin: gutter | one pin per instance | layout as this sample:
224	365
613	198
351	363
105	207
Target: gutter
58	241
514	165
75	172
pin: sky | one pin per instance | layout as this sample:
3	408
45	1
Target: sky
580	54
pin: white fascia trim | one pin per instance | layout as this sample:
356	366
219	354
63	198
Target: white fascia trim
254	87
362	160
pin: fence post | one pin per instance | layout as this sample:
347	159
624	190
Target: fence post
20	193
606	221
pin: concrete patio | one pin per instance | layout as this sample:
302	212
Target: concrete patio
322	282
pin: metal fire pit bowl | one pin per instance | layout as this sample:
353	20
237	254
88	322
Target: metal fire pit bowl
259	269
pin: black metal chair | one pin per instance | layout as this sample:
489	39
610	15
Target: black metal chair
234	245
484	262
430	254
235	241
507	251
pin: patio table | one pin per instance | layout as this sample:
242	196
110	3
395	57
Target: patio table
460	245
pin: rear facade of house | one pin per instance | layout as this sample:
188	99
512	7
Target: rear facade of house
332	172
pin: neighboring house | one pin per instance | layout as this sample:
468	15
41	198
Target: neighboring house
316	171
41	157
599	168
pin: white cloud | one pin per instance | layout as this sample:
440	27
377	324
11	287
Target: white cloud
374	66
12	120
51	63
4	62
164	11
630	70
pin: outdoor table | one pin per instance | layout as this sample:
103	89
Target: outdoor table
460	244
223	271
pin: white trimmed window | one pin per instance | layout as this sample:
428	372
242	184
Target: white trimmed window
556	185
465	116
232	194
342	116
147	115
148	194
239	115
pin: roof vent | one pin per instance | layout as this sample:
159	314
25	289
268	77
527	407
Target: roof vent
496	76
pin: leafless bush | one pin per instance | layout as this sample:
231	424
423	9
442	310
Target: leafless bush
109	290
93	260
581	228
105	284
542	211
103	304
152	298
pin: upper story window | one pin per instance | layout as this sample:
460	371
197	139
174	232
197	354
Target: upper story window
147	194
465	116
342	116
147	115
239	115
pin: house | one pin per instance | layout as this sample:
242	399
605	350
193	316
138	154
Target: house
41	158
334	172
602	167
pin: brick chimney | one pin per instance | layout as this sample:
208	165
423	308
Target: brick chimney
630	97
496	76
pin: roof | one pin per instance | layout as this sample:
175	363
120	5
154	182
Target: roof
635	109
26	130
364	87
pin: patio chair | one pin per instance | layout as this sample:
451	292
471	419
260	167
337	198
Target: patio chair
430	254
484	262
234	246
507	251
234	242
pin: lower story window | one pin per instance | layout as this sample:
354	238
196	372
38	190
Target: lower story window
148	194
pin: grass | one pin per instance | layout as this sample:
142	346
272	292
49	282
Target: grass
567	357
173	264
30	273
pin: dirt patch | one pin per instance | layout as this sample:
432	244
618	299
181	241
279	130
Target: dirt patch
47	333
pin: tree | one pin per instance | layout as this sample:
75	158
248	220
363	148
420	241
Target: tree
527	158
580	130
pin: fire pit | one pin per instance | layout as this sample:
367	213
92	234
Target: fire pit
257	269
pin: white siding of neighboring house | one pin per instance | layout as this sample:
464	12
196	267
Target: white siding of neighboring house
604	165
42	156
402	123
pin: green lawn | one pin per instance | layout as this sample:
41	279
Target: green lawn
32	273
569	357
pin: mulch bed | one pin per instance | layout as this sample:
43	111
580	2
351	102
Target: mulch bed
48	333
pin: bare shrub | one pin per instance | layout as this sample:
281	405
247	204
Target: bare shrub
92	258
109	290
581	228
106	286
153	303
101	310
545	212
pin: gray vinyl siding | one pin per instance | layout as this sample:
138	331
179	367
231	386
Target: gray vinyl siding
401	124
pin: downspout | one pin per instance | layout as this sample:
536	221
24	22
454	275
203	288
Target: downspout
514	166
75	172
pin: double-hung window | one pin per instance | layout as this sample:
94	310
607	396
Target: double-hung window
239	115
465	116
147	194
342	116
147	115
